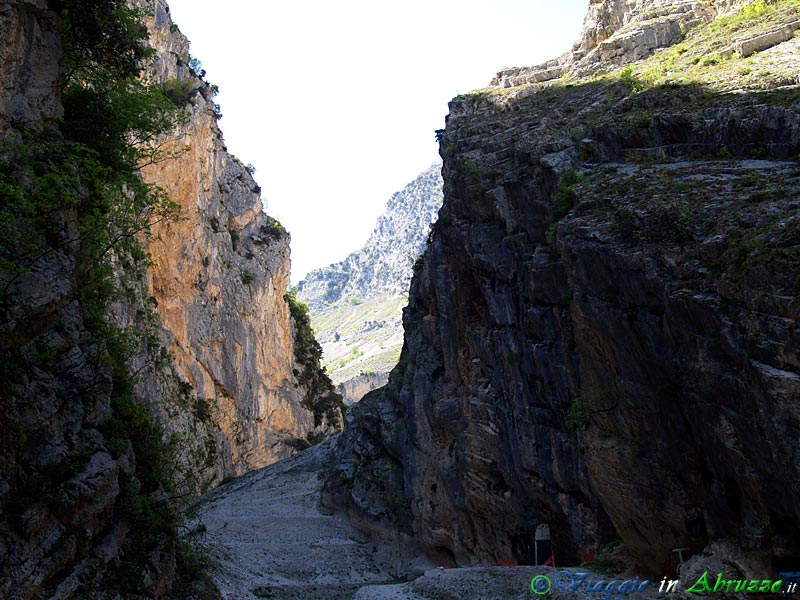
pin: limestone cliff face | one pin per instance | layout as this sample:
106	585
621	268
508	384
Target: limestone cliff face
30	76
383	265
128	384
602	334
63	484
219	277
357	303
44	430
352	390
617	32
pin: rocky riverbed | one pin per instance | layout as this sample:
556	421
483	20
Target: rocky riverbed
268	537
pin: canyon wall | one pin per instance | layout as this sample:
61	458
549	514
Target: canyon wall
602	334
218	278
146	355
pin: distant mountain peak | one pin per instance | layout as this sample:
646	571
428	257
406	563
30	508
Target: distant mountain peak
383	266
357	304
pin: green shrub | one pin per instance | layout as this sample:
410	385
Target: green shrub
552	231
564	197
202	409
321	396
271	230
234	238
180	91
628	78
584	407
196	67
470	168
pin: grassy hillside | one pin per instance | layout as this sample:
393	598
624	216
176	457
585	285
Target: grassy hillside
361	336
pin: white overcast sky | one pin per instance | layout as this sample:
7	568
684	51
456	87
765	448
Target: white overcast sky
336	103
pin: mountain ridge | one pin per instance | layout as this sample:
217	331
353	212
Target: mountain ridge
382	265
356	303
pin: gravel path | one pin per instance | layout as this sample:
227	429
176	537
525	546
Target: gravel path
269	539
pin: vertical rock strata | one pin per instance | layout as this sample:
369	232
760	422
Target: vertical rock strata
602	334
219	276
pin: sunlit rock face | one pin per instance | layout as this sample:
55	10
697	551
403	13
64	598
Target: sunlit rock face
602	334
204	337
357	303
617	32
383	265
219	276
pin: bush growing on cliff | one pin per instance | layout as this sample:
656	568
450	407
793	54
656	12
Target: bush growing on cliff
247	277
90	162
102	38
122	121
72	188
586	406
564	197
321	396
196	67
180	92
749	12
271	230
638	82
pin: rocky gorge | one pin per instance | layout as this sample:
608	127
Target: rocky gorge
601	335
218	280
